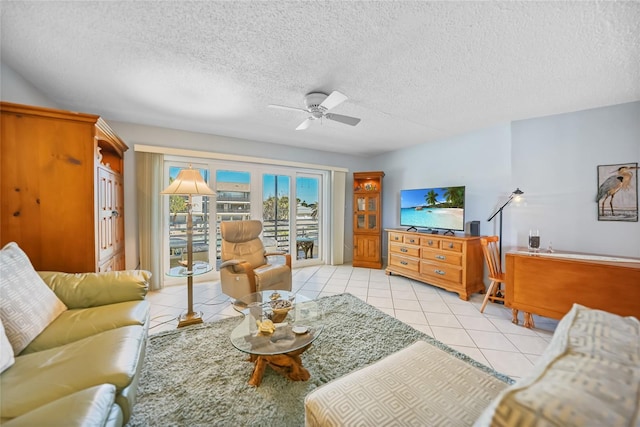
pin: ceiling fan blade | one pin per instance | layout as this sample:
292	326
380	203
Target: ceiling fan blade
304	124
336	98
343	119
284	107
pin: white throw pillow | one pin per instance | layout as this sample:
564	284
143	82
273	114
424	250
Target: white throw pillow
6	351
27	305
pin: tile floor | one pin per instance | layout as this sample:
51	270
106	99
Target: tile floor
488	337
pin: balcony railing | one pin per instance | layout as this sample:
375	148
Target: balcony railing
275	236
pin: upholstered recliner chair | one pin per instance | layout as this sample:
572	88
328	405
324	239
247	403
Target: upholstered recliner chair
246	268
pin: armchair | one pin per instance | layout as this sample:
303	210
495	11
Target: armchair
246	268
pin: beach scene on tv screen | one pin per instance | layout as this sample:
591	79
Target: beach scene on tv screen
433	208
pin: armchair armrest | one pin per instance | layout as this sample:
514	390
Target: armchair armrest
231	263
286	256
238	266
82	290
241	267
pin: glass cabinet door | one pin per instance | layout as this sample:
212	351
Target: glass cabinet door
366	215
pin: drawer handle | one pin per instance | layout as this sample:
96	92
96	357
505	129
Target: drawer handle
442	257
412	240
430	242
404	263
405	250
450	245
440	272
396	238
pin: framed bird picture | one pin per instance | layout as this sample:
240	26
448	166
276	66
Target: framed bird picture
617	197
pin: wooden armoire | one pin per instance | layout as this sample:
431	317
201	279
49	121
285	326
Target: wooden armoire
61	188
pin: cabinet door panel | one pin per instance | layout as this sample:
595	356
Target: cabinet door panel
366	248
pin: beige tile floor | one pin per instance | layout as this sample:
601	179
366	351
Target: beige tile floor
488	337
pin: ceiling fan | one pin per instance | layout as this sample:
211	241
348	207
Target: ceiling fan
318	104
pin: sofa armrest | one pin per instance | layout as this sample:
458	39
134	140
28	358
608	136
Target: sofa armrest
89	407
83	290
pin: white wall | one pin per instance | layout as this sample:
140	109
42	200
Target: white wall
555	160
14	88
148	135
552	159
481	161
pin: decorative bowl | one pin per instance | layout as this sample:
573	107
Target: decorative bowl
280	308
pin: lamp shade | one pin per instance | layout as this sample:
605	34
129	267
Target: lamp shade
189	181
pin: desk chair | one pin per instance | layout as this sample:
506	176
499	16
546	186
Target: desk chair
494	293
497	277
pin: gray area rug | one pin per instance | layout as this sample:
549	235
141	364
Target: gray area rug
195	377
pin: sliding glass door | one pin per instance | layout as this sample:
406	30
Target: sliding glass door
276	190
177	224
249	191
308	218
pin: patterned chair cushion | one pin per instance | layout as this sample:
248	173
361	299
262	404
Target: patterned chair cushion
588	376
27	305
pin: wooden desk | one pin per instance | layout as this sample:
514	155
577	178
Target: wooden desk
548	284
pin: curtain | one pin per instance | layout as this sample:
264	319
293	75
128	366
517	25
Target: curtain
149	184
338	192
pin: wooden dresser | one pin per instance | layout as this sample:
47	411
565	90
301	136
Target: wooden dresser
454	263
549	285
62	188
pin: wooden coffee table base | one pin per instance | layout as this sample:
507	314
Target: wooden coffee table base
288	365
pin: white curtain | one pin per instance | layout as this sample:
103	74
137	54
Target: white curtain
149	184
338	192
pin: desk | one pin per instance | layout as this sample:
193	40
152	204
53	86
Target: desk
305	244
549	284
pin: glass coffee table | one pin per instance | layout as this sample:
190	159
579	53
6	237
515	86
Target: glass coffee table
292	335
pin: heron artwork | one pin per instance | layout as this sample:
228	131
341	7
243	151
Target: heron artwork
620	179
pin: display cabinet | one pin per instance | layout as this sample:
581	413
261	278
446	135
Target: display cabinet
367	219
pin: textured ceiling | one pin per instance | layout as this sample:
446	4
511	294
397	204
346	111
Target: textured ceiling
414	71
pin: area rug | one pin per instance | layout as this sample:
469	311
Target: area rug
195	377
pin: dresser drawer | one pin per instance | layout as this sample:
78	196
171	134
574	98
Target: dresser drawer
430	242
412	240
441	256
396	237
441	271
403	249
449	245
406	263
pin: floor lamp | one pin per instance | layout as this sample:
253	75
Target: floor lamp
189	182
516	193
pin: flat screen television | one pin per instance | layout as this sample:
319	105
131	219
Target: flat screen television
438	208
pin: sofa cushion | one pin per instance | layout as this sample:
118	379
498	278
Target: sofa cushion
589	375
6	351
75	324
27	305
82	290
88	407
110	357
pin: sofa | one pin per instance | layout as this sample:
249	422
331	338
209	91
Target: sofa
71	345
589	375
